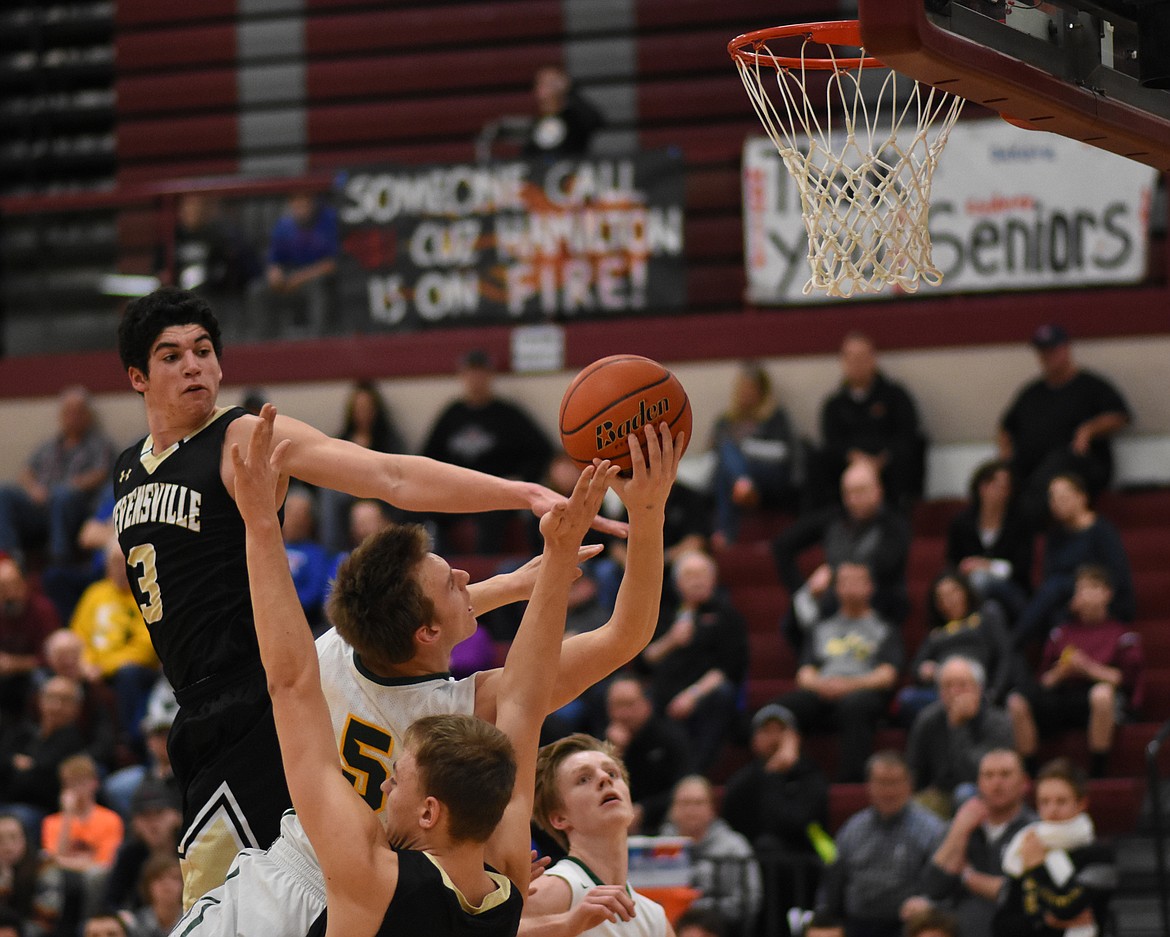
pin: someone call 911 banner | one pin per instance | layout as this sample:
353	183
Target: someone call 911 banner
519	241
1010	209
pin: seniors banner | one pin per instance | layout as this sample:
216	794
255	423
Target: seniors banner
520	241
1009	210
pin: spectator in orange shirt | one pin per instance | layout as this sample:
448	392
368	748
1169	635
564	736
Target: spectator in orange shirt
84	836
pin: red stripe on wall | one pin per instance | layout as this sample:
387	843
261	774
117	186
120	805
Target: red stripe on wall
176	48
899	325
173	93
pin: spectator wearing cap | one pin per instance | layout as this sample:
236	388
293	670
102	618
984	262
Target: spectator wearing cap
120	786
484	432
780	801
1063	421
155	819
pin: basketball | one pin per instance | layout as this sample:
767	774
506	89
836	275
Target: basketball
614	397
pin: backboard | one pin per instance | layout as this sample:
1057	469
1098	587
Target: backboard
1094	70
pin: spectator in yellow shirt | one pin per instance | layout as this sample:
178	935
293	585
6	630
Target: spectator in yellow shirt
117	642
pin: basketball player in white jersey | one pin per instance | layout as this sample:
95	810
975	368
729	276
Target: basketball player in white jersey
381	669
583	802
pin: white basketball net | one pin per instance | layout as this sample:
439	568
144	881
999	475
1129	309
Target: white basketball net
865	194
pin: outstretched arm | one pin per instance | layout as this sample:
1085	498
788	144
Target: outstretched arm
516	586
324	800
406	481
588	658
531	672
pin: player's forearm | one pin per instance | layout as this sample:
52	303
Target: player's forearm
414	483
548	925
286	643
493	593
417	483
530	671
587	658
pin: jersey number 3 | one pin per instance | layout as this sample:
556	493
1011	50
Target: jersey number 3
142	557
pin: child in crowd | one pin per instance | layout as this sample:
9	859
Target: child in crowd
1090	674
1060	878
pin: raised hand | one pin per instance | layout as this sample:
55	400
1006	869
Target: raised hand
567	521
524	577
258	474
654	469
545	499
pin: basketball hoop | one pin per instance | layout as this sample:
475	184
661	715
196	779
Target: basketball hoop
865	195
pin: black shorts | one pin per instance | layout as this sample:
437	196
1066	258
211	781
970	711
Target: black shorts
226	758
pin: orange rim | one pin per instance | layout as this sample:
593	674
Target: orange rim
746	48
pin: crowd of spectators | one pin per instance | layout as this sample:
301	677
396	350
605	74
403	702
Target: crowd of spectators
84	771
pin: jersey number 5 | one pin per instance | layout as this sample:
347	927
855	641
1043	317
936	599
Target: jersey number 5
143	557
365	755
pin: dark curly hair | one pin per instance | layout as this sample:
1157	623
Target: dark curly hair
146	318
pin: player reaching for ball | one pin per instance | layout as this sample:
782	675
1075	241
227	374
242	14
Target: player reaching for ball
183	538
381	671
392	599
457	778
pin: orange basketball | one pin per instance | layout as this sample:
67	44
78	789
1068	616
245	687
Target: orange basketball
614	397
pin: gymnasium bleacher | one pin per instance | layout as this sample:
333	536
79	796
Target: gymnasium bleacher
747	571
224	89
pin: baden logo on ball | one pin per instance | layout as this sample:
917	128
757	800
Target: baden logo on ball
617	396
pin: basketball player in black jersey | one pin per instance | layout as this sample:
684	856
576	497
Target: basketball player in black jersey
457	777
179	526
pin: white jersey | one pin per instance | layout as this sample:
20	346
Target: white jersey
649	918
371	714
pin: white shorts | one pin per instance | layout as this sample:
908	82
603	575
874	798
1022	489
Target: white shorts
274	892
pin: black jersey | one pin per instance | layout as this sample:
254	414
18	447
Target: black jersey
184	543
425	902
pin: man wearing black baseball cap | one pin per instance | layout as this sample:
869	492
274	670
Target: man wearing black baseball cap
1061	422
780	801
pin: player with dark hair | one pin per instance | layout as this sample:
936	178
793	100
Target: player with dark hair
456	780
184	539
